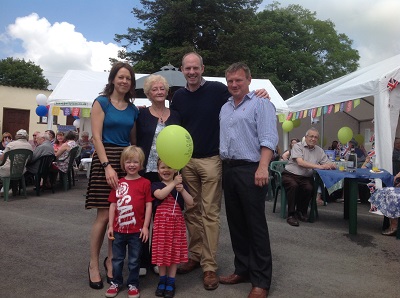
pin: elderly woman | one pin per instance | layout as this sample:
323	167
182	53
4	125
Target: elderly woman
86	144
150	122
387	201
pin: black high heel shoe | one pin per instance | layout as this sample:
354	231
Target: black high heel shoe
94	285
109	279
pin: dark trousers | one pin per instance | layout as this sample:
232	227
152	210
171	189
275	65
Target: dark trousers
299	190
245	210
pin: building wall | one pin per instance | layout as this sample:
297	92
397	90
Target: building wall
25	99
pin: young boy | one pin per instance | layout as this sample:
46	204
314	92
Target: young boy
129	220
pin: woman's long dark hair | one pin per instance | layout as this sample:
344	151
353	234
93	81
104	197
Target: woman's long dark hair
109	88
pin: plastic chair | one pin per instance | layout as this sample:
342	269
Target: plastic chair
68	178
44	172
276	168
18	159
313	204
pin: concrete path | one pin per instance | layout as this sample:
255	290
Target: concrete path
44	252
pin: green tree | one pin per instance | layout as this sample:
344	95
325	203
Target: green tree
174	27
289	46
19	73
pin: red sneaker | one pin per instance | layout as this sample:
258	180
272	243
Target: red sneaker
133	292
112	290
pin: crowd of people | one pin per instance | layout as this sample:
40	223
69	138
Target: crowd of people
46	143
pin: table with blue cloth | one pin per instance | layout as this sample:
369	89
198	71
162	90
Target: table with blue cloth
335	179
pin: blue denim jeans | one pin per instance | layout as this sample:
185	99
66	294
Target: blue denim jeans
134	244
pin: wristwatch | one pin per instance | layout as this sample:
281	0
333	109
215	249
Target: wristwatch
105	164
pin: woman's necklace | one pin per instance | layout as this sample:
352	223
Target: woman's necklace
159	116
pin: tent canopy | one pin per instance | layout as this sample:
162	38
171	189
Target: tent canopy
78	88
370	84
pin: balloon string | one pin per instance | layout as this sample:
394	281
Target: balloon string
176	199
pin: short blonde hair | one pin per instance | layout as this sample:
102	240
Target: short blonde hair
130	152
150	80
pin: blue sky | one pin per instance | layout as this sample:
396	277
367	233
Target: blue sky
59	35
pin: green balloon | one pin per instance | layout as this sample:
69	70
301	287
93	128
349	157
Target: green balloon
345	134
296	122
287	126
359	138
174	146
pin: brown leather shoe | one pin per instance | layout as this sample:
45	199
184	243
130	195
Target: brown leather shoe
257	292
188	267
232	279
291	220
210	280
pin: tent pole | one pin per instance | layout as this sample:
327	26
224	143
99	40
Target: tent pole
50	117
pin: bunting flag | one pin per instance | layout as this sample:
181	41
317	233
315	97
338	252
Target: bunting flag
356	102
319	112
294	116
305	113
301	114
330	109
67	111
341	107
349	105
337	107
85	112
392	84
309	112
289	117
325	109
75	111
55	111
297	115
314	112
281	118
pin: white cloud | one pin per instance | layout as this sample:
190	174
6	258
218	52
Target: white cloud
58	47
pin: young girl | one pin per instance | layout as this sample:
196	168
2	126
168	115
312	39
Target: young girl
169	244
129	220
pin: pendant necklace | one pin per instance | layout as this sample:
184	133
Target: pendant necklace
159	116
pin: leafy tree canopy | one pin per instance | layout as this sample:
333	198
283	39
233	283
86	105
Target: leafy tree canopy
289	46
19	73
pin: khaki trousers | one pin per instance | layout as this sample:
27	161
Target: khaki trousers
203	177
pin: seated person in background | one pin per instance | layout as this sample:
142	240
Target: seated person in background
60	139
387	201
33	142
52	135
62	154
286	154
396	156
21	142
44	148
86	144
334	145
297	178
7	138
359	150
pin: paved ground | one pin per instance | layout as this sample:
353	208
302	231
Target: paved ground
44	253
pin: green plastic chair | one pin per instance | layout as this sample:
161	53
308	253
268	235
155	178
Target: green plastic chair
276	168
44	172
18	159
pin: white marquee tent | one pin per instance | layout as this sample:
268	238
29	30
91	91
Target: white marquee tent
371	85
79	88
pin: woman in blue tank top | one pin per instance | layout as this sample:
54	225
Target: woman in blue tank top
113	118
